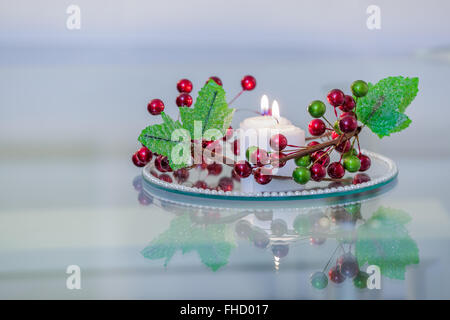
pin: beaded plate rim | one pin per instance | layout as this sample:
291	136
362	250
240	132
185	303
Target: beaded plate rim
390	175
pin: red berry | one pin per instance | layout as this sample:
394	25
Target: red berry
216	80
336	97
136	161
144	199
154	173
336	170
263	175
181	175
275	159
313	143
137	183
248	83
335	184
165	177
228	133
184	100
144	155
321	157
214	169
243	169
213	146
365	162
200	184
203	165
259	157
335	275
316	127
334	135
344	146
348	105
317	241
348	124
162	164
155	107
235	176
278	142
184	85
318	172
361	178
226	184
236	149
350	113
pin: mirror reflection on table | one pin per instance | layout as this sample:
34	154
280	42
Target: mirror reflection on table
342	243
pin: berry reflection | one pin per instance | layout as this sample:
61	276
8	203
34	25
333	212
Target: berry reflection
352	240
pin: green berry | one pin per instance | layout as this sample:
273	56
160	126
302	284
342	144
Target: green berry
250	151
317	108
360	281
302	224
301	175
359	88
319	280
303	161
336	127
352	163
353	208
351	152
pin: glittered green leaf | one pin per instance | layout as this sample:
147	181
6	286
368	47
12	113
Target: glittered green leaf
212	242
382	109
210	110
384	241
158	138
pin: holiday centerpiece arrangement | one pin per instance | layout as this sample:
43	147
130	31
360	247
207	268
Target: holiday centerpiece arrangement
268	152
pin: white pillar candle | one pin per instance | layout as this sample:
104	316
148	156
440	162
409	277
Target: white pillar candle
257	131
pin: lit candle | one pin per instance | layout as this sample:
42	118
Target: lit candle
257	131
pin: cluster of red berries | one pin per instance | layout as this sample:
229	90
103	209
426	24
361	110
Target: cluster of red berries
185	86
258	160
161	163
184	99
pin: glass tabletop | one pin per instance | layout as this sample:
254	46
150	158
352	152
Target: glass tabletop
134	241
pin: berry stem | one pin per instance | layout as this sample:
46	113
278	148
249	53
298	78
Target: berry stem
320	146
331	258
359	147
237	96
326	120
326	134
294	146
324	154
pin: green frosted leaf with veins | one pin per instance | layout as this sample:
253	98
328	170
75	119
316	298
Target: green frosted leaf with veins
383	240
210	108
382	109
158	138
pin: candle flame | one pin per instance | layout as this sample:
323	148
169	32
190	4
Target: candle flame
264	105
275	110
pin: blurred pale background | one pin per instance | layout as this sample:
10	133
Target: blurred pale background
72	102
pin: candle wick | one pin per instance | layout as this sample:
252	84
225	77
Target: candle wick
276	119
